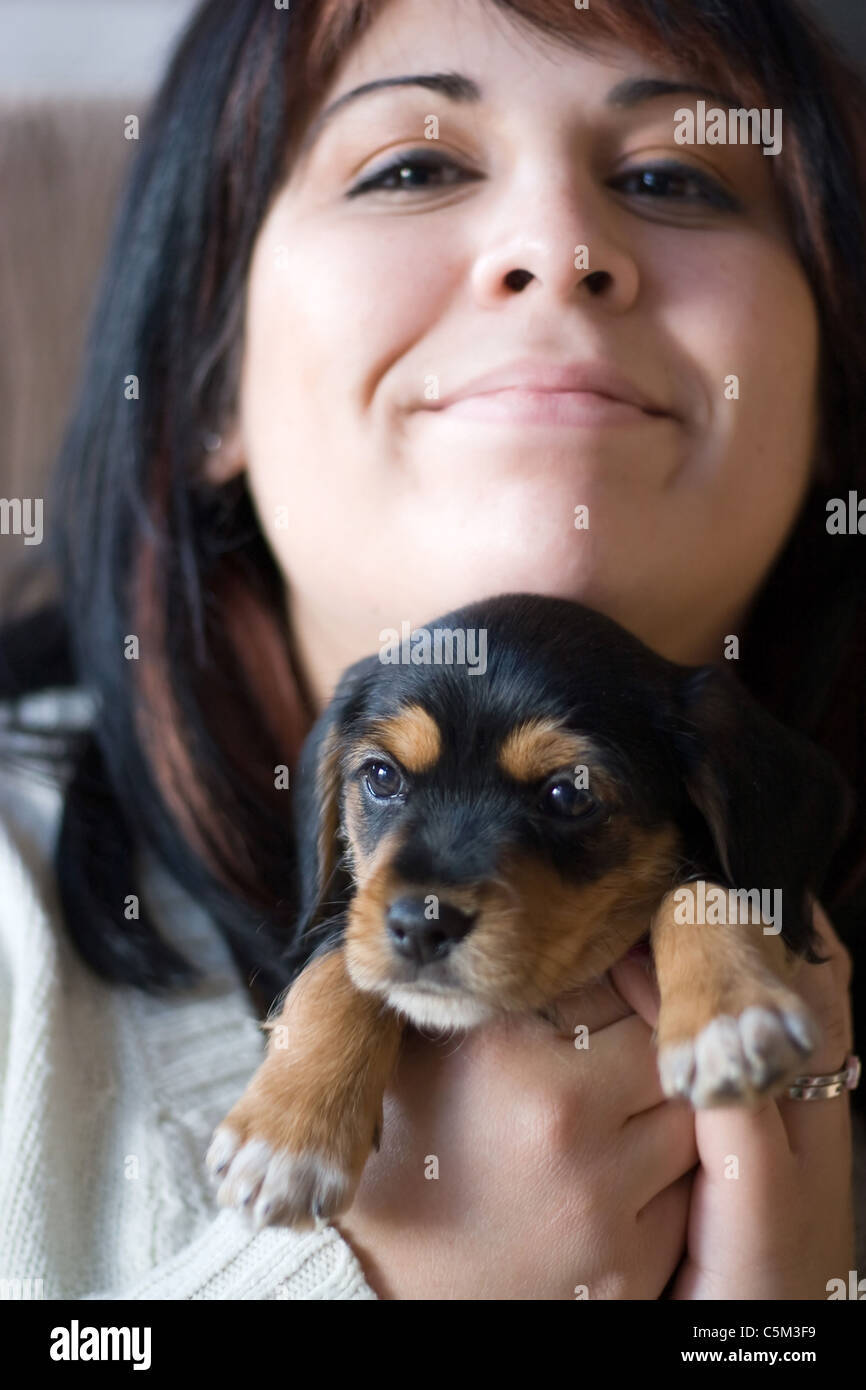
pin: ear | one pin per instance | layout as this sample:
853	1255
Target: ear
324	885
775	805
223	455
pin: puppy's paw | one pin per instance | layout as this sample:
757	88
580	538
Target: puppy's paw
739	1060
275	1184
286	1156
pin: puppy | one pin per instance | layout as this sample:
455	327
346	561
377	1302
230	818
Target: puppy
474	842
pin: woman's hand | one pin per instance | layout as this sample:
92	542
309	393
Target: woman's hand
771	1213
558	1169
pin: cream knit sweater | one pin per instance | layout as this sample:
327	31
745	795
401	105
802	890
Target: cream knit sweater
110	1096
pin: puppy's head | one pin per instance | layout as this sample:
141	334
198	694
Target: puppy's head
484	840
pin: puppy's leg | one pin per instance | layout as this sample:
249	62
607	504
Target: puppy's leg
294	1146
730	1029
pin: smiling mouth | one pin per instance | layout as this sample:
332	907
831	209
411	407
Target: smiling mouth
571	409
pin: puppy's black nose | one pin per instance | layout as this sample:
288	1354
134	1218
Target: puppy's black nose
422	939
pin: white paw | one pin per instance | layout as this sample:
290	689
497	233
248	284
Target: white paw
300	1189
738	1060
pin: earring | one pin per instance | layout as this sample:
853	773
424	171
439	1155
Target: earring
211	441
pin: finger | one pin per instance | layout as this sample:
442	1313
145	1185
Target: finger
819	1130
663	1144
593	1007
621	1069
628	987
829	942
825	990
662	1225
634	979
615	1066
746	1143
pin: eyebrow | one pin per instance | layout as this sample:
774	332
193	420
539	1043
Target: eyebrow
635	90
457	87
449	84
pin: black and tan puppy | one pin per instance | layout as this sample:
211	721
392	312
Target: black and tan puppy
476	840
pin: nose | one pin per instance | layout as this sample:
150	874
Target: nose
422	939
558	232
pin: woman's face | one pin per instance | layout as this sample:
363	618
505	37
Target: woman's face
371	293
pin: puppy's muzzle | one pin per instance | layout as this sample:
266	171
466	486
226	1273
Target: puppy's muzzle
417	937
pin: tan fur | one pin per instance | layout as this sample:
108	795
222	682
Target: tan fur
540	747
330	1055
708	970
370	957
412	737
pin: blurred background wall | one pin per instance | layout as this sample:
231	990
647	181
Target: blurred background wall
54	46
93	46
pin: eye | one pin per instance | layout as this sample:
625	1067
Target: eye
675	182
560	797
383	780
400	174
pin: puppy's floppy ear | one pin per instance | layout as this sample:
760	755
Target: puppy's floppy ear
776	806
324	886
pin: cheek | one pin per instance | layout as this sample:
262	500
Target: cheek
318	342
746	318
330	308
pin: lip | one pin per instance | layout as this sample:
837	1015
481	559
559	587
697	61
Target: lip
570	393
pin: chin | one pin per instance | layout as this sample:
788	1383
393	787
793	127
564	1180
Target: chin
442	1012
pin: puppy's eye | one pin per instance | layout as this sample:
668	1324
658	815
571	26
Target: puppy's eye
562	798
383	780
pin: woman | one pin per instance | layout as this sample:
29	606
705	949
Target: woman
305	271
